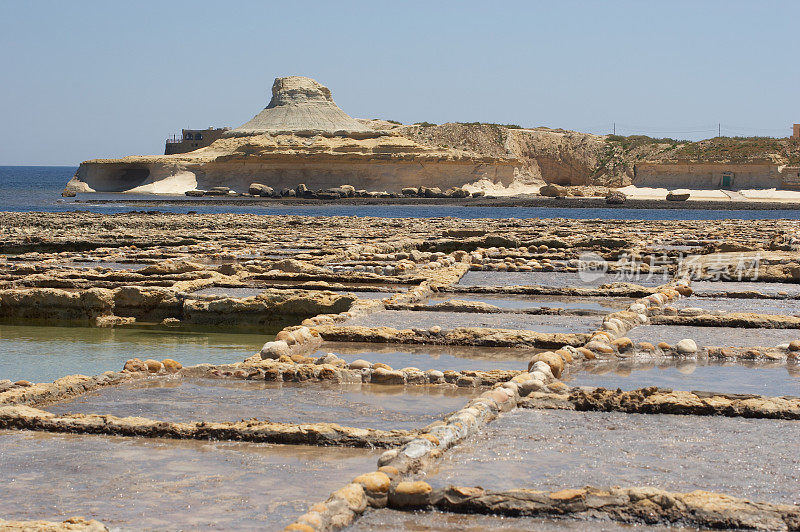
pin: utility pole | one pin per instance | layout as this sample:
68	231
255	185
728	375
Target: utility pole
719	129
615	128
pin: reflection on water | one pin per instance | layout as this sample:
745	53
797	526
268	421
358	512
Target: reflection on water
135	484
355	405
43	354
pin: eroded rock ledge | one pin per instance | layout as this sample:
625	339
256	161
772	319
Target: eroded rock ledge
477	336
28	418
73	523
653	400
629	505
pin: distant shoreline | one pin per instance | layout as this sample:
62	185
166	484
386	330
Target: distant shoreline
542	202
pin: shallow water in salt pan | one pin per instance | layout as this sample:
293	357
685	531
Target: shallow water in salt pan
552	449
713	336
43	353
353	405
713	287
729	304
154	484
110	265
688	376
223	291
423	521
425	357
424	319
554	279
519	302
366	295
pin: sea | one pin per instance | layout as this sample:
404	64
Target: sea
38	189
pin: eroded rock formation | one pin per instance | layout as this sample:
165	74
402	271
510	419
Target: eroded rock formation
300	137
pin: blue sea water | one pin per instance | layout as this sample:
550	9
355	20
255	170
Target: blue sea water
38	189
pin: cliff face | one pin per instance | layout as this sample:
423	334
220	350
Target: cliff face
302	137
544	155
574	158
387	162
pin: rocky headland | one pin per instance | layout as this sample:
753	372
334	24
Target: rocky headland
303	145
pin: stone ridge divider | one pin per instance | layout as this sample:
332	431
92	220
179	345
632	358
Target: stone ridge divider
376	488
741	320
28	418
466	336
305	338
332	368
63	388
373	489
613	290
610	339
653	400
646	505
456	305
126	304
646	351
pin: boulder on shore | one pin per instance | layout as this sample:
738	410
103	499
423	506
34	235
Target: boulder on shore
553	191
615	197
257	189
678	195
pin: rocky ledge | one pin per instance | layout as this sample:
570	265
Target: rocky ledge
28	418
655	400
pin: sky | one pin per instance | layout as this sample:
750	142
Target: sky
91	79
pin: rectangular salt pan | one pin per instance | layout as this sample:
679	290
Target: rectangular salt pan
688	376
43	354
153	484
789	307
223	291
556	279
713	336
713	287
354	405
424	319
520	302
425	357
551	450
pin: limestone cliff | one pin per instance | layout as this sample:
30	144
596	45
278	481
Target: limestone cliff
573	158
300	137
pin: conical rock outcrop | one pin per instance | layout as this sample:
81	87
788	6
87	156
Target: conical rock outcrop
300	105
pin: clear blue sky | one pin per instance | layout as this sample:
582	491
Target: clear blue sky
89	79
